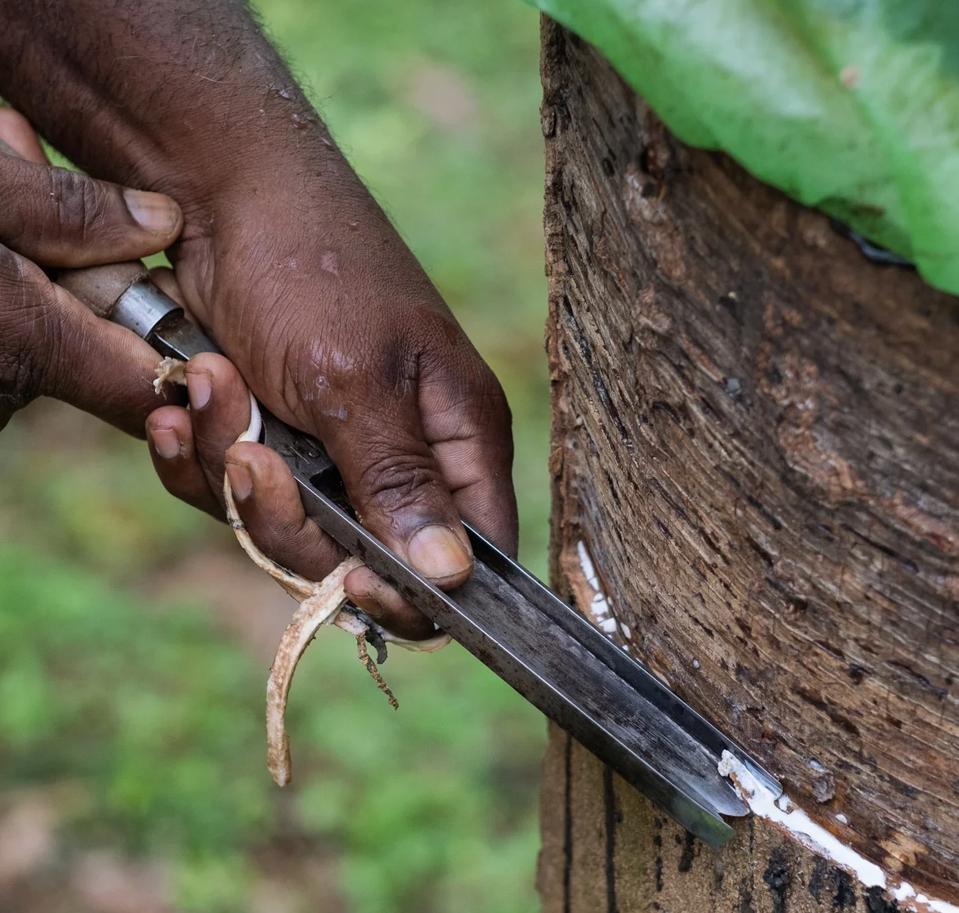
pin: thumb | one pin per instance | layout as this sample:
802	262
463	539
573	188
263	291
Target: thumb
62	218
398	489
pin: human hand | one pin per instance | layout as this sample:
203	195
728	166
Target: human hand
50	344
333	324
286	259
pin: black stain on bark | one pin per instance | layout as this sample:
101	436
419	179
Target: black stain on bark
778	878
658	843
845	896
719	870
877	902
609	804
688	854
817	878
833	880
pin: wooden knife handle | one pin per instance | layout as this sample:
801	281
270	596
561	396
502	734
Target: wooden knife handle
101	287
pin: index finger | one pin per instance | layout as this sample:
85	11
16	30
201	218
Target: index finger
17	133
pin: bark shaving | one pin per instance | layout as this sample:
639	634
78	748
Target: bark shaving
756	435
320	603
315	610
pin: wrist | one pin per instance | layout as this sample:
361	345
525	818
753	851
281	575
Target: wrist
257	153
190	100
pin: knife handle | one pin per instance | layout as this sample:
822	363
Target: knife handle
101	287
124	294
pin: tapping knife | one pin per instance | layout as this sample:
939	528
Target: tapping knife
503	615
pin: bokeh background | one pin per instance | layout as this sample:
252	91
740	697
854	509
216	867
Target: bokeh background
135	638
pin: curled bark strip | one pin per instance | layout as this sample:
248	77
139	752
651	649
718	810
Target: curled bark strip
367	661
320	603
314	611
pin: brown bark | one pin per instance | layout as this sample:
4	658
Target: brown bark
756	434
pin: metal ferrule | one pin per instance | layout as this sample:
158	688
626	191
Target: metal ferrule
141	307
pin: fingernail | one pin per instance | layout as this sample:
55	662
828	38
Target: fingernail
369	605
165	443
370	593
199	386
152	211
437	553
240	480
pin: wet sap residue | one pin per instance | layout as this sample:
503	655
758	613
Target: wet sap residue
599	609
795	822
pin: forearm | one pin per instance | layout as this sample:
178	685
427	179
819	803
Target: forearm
179	96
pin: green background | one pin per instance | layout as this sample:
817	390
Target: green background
135	639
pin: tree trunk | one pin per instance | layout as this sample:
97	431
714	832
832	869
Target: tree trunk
756	442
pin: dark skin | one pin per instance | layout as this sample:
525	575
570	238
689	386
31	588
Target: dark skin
293	268
50	344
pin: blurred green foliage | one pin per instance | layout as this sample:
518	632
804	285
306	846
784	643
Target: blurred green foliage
155	721
143	709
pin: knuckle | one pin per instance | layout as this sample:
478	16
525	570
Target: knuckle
79	204
392	481
274	539
475	394
15	218
491	400
17	226
18	383
293	543
482	410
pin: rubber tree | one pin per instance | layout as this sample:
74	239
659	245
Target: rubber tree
756	447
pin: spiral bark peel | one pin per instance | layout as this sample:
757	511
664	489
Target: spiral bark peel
320	603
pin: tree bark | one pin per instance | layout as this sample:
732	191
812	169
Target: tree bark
756	441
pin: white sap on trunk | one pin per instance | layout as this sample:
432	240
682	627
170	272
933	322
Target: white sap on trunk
599	609
795	822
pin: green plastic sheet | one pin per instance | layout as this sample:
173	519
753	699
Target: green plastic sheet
851	106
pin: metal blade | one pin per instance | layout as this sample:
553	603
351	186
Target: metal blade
551	655
527	635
